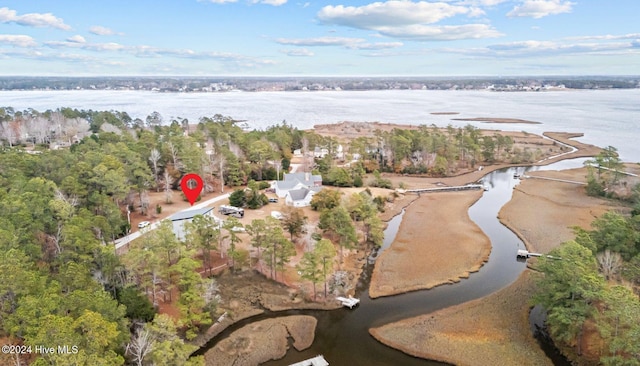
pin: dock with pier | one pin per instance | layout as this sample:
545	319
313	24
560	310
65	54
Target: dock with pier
444	189
348	302
523	253
555	179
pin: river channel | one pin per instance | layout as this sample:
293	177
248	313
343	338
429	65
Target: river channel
342	336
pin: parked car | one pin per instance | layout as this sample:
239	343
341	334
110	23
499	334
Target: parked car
273	200
143	224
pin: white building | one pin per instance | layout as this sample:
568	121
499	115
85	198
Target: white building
181	218
298	188
299	197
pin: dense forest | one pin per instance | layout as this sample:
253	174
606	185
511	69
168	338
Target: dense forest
69	179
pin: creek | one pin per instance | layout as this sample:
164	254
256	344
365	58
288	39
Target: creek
342	336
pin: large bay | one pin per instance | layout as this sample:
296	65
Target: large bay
606	117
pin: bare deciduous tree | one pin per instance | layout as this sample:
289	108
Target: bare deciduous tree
610	263
154	158
168	193
141	345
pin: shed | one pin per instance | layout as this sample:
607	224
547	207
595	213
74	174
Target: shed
180	218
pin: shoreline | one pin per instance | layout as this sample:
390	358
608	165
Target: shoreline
497	120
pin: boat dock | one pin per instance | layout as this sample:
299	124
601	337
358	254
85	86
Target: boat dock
316	361
526	254
555	179
522	253
445	189
348	302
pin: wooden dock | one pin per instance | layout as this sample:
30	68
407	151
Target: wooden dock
526	254
555	179
616	171
316	361
445	189
523	253
348	302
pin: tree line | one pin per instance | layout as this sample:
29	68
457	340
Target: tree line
590	290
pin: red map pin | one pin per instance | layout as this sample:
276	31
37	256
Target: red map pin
191	186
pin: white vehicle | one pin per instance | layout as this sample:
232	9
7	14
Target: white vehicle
143	224
277	215
231	211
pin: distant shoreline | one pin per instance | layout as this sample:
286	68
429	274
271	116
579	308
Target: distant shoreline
497	120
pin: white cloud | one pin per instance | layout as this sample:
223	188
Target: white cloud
17	40
32	19
77	39
103	31
541	8
320	41
351	43
375	46
270	2
411	20
144	51
539	49
482	2
606	37
111	46
389	13
441	33
475	12
298	52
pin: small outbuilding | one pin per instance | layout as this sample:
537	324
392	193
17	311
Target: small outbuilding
180	218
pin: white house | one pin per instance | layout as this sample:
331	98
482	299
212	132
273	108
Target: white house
320	152
299	197
181	218
294	181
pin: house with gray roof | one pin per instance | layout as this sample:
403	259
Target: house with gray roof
293	181
298	188
299	197
179	219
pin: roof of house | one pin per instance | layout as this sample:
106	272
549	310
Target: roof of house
186	215
298	194
281	184
302	177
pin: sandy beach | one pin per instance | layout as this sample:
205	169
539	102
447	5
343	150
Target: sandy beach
435	227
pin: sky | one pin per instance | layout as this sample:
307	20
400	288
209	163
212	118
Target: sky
319	38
